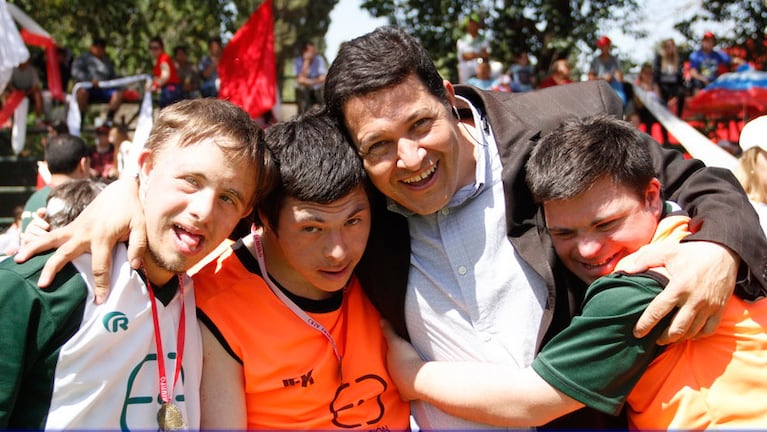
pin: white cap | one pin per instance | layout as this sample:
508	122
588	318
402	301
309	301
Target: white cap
754	134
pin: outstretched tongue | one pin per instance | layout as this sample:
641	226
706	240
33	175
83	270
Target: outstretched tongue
190	242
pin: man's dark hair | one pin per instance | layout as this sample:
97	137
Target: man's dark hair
571	158
64	152
378	60
179	48
215	39
157	40
99	42
316	163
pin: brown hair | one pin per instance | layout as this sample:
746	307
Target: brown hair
195	120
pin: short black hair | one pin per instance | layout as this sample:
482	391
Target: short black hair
380	59
570	159
316	163
99	42
64	152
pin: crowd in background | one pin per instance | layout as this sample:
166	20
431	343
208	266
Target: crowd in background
672	77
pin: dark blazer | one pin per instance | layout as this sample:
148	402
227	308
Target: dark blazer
518	120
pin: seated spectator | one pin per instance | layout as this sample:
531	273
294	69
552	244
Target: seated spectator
522	73
187	75
125	161
644	81
25	78
208	68
483	78
103	156
95	66
164	76
66	158
310	70
706	63
559	73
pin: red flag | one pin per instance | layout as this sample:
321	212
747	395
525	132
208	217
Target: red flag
33	34
247	67
11	103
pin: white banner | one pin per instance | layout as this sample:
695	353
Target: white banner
19	129
693	141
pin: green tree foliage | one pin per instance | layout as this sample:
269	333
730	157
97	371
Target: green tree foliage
548	29
128	26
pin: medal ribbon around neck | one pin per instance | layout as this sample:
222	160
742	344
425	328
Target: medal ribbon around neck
311	322
165	393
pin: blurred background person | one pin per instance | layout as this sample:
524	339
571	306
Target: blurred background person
472	47
94	66
707	63
164	75
187	73
310	69
559	73
208	68
752	165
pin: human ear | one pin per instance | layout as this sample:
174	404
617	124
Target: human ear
653	198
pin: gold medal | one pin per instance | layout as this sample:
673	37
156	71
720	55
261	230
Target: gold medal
169	418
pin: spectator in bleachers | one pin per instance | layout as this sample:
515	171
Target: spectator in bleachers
310	69
209	68
164	75
559	73
66	157
187	74
26	79
522	73
103	164
95	66
706	63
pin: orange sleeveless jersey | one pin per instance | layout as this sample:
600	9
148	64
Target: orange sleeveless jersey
712	382
291	373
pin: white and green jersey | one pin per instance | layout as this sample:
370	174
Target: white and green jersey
67	363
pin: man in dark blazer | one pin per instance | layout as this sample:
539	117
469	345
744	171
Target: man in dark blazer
443	155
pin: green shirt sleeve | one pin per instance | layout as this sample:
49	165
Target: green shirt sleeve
34	325
597	360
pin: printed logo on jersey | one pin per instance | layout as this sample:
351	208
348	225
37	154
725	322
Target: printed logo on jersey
115	321
304	380
359	401
137	403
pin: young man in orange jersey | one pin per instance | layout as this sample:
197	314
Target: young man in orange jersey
291	341
602	202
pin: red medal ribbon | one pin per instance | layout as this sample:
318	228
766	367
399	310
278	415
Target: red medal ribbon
164	393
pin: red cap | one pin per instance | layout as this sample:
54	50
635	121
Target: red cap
709	35
603	41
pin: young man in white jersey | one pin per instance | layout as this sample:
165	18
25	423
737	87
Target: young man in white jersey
133	362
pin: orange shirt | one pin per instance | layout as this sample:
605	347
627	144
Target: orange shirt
292	378
712	382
